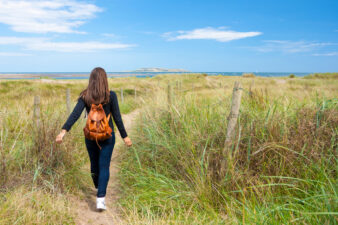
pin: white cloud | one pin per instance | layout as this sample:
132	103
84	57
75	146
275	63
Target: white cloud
43	16
44	44
14	54
209	33
19	40
291	46
75	46
326	54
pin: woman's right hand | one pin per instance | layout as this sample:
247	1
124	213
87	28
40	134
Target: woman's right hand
60	136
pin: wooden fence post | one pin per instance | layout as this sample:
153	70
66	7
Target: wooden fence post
233	116
68	101
122	95
230	133
36	116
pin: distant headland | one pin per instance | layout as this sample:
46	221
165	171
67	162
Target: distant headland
159	70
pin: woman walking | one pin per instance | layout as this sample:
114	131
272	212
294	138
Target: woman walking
100	103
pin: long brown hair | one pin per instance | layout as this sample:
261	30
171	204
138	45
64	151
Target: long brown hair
98	90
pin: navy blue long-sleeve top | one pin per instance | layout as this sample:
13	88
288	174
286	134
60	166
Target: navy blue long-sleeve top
111	107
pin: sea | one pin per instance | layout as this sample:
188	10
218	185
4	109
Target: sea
85	75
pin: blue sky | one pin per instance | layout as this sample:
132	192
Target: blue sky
213	35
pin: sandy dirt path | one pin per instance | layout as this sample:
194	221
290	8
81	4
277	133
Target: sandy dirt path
85	209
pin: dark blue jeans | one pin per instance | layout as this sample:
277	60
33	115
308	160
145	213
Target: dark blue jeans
100	162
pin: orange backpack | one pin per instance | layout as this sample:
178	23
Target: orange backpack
97	126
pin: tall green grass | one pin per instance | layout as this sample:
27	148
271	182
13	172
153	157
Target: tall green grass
281	169
37	176
36	173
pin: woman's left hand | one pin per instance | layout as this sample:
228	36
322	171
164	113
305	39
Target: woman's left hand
127	141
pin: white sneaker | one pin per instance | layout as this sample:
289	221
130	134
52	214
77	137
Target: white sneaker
100	204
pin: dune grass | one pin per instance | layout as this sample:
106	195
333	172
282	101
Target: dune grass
282	168
322	76
37	176
31	206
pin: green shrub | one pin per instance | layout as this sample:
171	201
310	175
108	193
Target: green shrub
248	75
